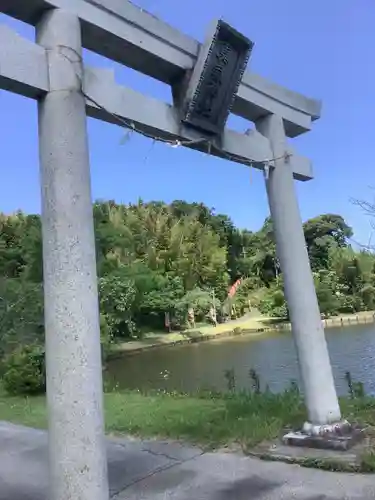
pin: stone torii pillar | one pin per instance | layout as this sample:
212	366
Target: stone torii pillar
315	367
77	457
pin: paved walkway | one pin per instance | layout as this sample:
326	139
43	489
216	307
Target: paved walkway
154	470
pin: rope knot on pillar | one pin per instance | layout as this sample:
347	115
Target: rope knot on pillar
63	50
287	156
266	169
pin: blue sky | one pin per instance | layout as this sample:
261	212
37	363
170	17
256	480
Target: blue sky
322	48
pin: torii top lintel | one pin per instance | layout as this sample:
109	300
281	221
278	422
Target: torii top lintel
112	27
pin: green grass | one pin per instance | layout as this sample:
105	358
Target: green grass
213	420
368	461
30	411
210	420
207	419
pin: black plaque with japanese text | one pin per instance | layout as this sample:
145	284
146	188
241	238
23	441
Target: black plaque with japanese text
216	79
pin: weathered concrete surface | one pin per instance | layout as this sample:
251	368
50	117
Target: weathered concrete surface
71	309
308	333
153	470
349	460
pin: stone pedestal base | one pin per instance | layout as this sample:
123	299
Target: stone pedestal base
340	436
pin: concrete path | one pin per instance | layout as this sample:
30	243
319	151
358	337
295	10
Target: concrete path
154	470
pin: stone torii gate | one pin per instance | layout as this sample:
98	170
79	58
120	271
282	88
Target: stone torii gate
52	72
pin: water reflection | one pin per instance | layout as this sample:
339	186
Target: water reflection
197	366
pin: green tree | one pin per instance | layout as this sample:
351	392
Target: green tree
155	258
323	233
21	313
117	296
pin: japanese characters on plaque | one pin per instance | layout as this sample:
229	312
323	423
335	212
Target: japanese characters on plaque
225	61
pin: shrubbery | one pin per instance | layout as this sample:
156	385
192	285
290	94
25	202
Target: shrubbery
106	339
273	304
24	371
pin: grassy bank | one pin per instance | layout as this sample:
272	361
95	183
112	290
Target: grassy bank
240	421
250	326
207	419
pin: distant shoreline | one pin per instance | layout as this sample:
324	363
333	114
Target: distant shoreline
251	327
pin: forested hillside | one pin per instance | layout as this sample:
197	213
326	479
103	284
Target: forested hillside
155	258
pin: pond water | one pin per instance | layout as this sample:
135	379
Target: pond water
203	365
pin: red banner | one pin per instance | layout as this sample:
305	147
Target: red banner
233	288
